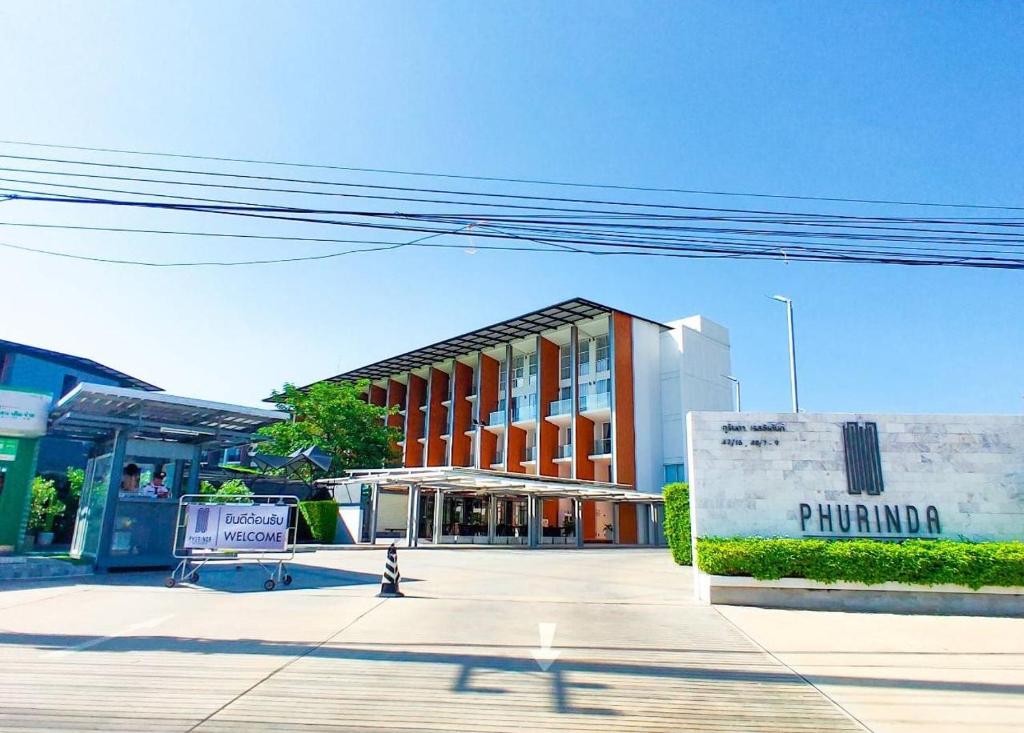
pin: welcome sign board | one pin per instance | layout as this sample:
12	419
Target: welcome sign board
262	527
23	414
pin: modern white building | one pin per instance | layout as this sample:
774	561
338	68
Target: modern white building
577	391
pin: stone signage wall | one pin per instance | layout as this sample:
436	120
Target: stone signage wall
856	475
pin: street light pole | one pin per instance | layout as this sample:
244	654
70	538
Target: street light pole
792	348
736	384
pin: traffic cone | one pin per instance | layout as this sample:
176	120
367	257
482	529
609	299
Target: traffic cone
389	582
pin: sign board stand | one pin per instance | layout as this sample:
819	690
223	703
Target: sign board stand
213	527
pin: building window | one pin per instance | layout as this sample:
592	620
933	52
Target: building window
602	354
675	473
565	363
70	382
502	375
584	357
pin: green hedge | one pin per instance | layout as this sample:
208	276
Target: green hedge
321	519
926	562
677	522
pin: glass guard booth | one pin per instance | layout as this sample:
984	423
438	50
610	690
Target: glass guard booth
146	452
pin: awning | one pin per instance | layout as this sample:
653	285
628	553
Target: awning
481	482
96	412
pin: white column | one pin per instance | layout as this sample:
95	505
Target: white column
643	523
412	518
492	518
531	520
438	515
578	512
374	511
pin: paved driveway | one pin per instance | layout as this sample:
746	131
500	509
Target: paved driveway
634	653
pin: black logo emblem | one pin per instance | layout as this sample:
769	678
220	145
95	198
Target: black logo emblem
202	519
863	459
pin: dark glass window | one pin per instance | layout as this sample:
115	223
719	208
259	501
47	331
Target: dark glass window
70	382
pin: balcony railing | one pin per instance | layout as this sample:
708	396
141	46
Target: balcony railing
496	418
565	451
527	412
595	401
561	407
602	447
530	453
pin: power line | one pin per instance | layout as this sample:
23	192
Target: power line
524	181
713	232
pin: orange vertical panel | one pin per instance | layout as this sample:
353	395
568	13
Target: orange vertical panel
463	414
487	400
627	524
437	414
547	439
377	396
589	521
625	432
551	512
583	444
395	398
516	446
414	421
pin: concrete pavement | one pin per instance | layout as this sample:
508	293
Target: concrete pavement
901	673
631	651
634	652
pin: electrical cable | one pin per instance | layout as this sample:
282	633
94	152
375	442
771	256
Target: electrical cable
526	181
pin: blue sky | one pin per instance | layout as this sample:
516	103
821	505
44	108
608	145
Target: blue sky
881	100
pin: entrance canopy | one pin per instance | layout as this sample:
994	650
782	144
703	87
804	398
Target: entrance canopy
96	412
497	483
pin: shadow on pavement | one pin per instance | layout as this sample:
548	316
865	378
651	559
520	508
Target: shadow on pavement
475	664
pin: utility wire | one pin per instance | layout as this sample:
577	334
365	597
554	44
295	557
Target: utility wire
772	251
526	181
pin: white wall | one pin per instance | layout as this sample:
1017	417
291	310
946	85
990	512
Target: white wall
393	511
647	405
695	356
970	468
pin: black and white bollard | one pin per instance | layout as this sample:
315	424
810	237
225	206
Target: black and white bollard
389	583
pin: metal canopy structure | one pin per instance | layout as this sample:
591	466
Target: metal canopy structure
96	412
430	489
481	482
528	324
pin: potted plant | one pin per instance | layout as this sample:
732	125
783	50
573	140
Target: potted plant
46	508
568	526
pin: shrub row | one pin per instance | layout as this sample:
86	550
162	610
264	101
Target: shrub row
321	519
677	522
926	562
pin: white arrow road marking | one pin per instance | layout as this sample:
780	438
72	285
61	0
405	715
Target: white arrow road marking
147	624
545	655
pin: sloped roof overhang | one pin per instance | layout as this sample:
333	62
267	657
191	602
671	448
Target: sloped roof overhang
543	320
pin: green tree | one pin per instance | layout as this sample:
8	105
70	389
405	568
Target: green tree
76	479
46	506
335	417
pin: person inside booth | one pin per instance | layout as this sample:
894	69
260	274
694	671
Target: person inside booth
130	479
156	488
